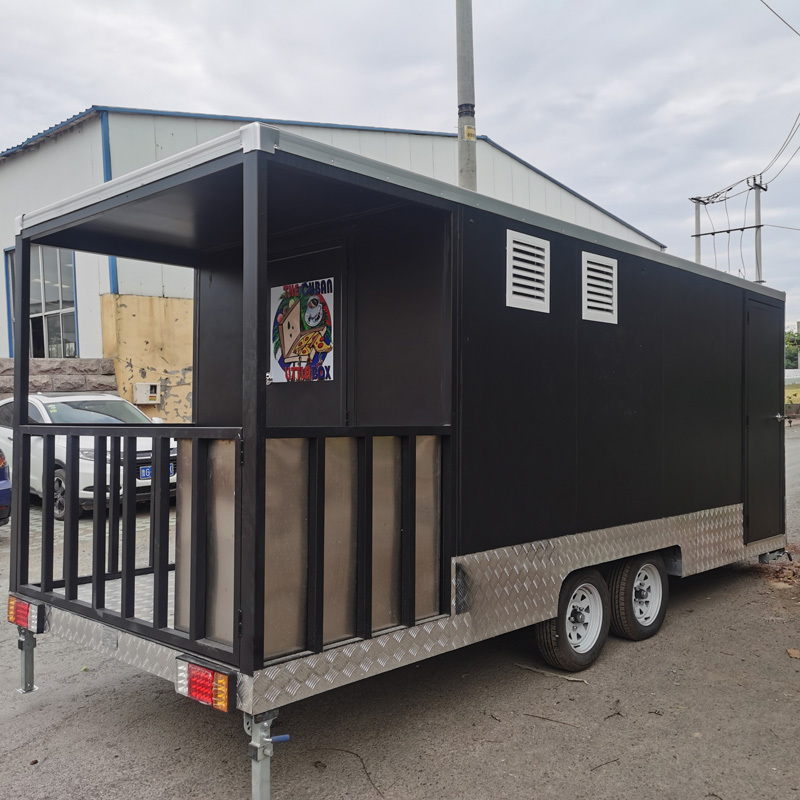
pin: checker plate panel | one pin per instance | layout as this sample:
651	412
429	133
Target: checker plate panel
493	592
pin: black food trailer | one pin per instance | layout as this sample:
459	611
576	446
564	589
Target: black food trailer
421	418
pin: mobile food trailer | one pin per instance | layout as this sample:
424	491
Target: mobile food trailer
421	418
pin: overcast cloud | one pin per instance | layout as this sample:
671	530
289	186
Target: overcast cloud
635	104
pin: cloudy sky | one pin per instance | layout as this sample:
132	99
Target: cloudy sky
636	104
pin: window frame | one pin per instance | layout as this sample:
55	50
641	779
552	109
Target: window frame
40	321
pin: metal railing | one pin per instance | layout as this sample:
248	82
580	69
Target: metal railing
99	578
119	570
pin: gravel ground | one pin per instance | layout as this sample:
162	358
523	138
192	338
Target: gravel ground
709	708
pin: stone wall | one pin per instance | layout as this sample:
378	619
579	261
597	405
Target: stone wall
62	375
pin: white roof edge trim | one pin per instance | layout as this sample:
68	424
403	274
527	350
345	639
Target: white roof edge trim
258	136
208	151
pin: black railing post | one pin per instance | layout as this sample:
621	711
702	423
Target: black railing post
48	519
408	510
114	506
20	486
255	337
316	544
128	527
72	513
99	524
364	539
159	528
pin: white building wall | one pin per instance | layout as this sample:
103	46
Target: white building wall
91	280
138	140
73	160
499	175
53	169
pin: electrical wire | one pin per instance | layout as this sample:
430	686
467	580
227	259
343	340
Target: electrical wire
741	234
781	18
728	217
785	227
723	195
772	180
713	236
795	127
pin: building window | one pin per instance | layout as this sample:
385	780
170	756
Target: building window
52	308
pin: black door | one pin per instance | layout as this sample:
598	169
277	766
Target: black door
307	345
764	483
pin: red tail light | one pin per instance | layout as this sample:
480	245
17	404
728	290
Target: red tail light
25	614
206	684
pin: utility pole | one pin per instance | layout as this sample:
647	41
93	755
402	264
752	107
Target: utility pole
467	168
697	202
757	183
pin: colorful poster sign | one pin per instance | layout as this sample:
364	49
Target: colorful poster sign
302	332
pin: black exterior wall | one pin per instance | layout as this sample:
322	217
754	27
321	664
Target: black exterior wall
570	425
392	319
218	367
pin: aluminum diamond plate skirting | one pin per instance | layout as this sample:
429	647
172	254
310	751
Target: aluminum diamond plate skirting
500	590
141	653
493	592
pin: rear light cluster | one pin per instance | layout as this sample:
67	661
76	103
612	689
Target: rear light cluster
25	614
205	683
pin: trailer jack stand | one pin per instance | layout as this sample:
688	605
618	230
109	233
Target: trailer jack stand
26	643
261	751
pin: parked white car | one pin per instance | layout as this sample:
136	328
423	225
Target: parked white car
79	408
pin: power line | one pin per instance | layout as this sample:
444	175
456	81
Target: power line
713	238
781	18
741	235
785	165
785	227
728	217
789	137
723	195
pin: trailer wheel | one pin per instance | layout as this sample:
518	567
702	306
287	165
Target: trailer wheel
60	494
639	596
573	640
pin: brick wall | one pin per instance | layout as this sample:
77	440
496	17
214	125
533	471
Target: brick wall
62	375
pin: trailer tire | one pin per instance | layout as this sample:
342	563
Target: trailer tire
572	641
639	596
59	494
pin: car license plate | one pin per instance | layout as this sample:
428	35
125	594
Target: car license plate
146	473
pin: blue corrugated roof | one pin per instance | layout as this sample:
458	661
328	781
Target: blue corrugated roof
95	110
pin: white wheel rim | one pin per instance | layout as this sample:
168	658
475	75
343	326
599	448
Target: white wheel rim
584	618
647	595
59	495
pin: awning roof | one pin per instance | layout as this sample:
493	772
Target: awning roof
178	209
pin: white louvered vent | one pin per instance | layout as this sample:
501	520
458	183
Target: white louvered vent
527	272
599	288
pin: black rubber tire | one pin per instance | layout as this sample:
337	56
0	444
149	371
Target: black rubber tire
60	494
552	634
629	618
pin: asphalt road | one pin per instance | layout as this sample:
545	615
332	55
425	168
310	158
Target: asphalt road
709	708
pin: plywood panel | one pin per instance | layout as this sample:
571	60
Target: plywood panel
339	605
